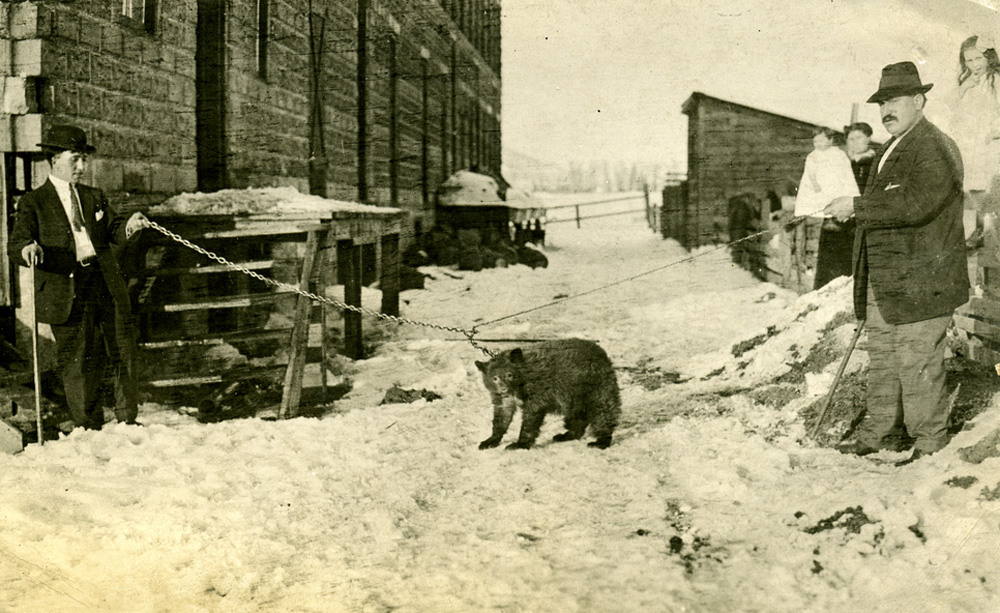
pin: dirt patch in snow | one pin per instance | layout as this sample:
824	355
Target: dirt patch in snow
979	383
826	351
850	519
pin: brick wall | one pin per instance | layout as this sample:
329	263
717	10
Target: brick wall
134	91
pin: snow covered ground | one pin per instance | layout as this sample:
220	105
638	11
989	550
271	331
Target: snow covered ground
708	500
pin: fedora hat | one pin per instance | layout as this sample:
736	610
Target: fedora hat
67	138
900	79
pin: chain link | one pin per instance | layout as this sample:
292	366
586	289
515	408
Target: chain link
468	334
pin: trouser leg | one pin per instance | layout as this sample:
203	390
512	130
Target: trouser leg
121	346
884	402
80	363
906	382
922	377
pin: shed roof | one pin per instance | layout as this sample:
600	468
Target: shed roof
698	97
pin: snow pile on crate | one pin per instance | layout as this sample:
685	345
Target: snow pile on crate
258	201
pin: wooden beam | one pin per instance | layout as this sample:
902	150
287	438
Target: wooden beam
350	268
322	281
390	275
216	268
292	392
231	302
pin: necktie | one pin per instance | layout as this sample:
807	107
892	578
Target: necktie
77	220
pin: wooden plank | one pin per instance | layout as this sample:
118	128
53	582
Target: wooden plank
978	327
211	379
322	280
233	302
351	268
389	283
250	231
983	355
6	213
983	308
292	391
201	270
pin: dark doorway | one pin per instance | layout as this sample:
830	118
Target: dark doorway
210	107
17	181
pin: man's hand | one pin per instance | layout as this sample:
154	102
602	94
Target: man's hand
135	224
841	208
32	254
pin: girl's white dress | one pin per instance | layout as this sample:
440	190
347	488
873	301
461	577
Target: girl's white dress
975	122
827	175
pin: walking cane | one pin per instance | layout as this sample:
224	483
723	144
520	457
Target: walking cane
34	358
836	380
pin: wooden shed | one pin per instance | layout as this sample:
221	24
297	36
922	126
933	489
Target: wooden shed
736	151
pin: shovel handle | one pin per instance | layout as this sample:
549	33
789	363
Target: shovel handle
836	379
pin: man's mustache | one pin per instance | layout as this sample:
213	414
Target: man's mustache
889	117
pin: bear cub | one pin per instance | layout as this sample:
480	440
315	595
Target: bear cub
572	377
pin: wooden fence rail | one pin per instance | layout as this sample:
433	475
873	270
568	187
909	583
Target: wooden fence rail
651	211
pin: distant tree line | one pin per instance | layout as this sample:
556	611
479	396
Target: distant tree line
589	176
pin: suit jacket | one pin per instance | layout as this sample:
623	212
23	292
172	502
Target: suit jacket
910	242
41	218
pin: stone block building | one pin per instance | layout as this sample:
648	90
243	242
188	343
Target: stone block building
374	101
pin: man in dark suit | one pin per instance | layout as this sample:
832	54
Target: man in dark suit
66	230
910	270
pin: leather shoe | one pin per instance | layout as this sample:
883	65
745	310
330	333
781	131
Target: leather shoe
916	455
856	448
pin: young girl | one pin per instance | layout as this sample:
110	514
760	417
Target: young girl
976	129
827	175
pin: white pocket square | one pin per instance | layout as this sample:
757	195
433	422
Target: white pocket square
99	216
891	186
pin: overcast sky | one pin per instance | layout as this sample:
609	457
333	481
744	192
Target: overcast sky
605	79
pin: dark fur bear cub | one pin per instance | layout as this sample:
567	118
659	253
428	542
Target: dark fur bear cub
572	377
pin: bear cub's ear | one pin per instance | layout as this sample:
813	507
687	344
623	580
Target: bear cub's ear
481	365
516	356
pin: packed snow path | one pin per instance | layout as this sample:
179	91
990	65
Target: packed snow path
706	501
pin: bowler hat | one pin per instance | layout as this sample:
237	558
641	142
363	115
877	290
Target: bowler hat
67	138
900	79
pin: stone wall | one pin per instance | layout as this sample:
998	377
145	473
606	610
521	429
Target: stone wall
432	82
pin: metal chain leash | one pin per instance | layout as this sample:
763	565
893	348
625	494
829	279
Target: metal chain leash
469	334
635	276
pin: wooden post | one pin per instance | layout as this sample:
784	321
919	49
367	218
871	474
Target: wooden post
799	257
350	268
390	274
322	282
578	216
649	212
292	391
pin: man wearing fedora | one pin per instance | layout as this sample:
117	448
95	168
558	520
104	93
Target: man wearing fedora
66	229
910	270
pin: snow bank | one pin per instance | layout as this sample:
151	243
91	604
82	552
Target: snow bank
710	499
